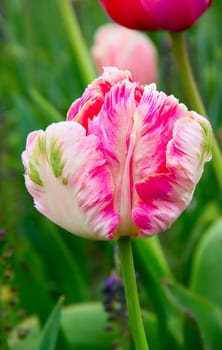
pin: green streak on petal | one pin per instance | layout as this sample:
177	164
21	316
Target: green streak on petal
38	150
208	138
41	145
55	159
34	175
65	180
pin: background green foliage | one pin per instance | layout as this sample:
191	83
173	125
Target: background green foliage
39	78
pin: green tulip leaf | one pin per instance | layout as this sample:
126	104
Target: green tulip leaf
51	328
206	273
31	277
205	315
84	326
192	336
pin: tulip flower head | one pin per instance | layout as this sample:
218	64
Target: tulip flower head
124	48
125	162
171	15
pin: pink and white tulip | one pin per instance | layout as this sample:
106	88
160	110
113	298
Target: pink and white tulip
124	48
126	161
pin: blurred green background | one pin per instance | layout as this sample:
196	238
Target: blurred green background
39	79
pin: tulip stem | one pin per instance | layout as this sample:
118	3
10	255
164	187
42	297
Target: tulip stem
131	293
74	34
181	54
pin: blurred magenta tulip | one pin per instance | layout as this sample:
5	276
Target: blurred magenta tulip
124	48
171	15
126	161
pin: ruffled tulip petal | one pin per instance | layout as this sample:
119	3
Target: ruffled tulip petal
67	176
113	127
146	138
135	125
164	196
89	105
155	118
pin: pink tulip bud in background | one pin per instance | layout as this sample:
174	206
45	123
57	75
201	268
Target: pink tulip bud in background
124	48
125	163
171	15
